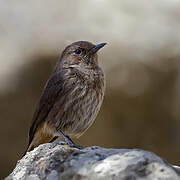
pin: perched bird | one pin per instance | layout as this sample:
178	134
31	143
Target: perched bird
71	97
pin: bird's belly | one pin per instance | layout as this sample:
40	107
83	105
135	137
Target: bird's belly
81	113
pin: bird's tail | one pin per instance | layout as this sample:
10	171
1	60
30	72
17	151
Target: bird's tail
29	148
35	143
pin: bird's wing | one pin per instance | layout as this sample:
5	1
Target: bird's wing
52	89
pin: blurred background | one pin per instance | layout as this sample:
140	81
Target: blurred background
141	62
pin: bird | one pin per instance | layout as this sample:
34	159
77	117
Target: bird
71	98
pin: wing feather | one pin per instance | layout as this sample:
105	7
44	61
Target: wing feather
52	89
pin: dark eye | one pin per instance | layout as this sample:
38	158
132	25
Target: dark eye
77	51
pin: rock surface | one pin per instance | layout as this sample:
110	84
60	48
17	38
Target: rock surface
61	162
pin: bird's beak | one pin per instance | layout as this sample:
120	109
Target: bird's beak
96	48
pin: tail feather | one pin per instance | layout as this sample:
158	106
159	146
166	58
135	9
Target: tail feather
35	143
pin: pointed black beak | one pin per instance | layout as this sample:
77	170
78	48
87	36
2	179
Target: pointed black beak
96	48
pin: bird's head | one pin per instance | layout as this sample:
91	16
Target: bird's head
80	54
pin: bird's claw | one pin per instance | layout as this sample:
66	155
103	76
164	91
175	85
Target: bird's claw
59	143
75	146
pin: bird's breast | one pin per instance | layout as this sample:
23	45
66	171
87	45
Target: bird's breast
82	104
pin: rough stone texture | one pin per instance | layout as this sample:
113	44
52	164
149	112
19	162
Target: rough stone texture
61	162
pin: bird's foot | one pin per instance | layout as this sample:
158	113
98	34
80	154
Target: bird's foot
59	143
69	141
71	144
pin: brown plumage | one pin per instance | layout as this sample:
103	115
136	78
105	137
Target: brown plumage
71	98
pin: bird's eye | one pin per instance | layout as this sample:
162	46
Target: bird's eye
77	51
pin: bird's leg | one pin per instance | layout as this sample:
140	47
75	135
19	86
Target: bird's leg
57	143
53	139
69	141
